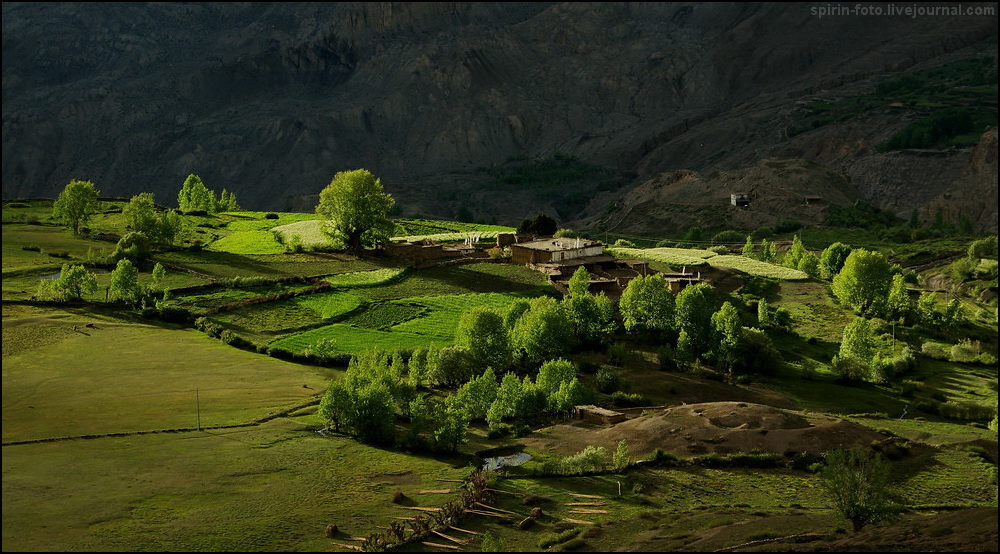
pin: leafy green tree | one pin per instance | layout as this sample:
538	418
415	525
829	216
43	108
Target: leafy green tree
134	246
356	209
756	353
764	318
479	394
453	426
569	394
859	340
795	253
195	196
336	404
452	365
142	216
954	315
621	458
507	400
863	283
76	203
693	314
809	264
768	251
540	225
545	331
592	316
833	258
728	332
748	251
857	481
373	414
514	312
227	202
159	274
554	373
579	283
125	284
73	283
899	303
482	332
648	304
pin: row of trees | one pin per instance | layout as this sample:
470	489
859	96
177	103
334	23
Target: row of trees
75	282
78	202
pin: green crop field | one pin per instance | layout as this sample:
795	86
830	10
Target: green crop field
398	324
672	256
365	278
751	266
248	242
309	232
327	305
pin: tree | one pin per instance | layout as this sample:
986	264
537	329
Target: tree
648	304
621	458
899	303
125	284
554	373
543	332
592	316
227	202
748	248
73	283
693	314
142	216
453	426
195	196
76	203
540	225
479	394
452	365
857	481
579	283
809	264
482	332
764	318
768	251
134	246
859	340
159	273
795	253
833	258
356	210
728	331
863	283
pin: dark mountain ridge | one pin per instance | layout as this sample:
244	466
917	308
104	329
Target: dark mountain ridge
269	100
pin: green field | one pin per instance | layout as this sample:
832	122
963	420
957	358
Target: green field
248	242
671	256
269	488
399	324
119	377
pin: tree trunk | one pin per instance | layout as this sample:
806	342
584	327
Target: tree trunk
858	525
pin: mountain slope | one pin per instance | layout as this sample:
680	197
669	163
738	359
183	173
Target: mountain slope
270	100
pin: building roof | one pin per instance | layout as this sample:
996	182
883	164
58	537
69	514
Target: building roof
557	244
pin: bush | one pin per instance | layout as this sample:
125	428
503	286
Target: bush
729	237
849	369
721	250
622	243
608	380
271	216
617	353
625	400
665	356
965	351
935	350
32	248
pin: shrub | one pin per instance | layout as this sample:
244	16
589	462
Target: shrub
721	250
935	350
626	400
849	369
608	380
623	243
32	248
271	216
617	353
965	351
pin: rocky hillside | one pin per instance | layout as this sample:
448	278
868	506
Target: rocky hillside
463	106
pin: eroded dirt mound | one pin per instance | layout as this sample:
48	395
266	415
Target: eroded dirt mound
721	427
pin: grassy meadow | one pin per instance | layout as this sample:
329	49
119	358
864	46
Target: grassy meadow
106	372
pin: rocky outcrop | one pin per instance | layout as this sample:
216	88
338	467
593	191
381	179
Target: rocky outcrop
270	100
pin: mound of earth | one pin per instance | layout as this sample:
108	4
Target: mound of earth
720	427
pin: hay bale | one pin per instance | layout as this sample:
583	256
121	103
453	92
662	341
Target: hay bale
536	512
526	523
398	498
331	530
534	500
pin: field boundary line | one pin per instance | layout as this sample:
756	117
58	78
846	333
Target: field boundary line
264	419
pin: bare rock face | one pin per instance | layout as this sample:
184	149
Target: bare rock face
270	100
